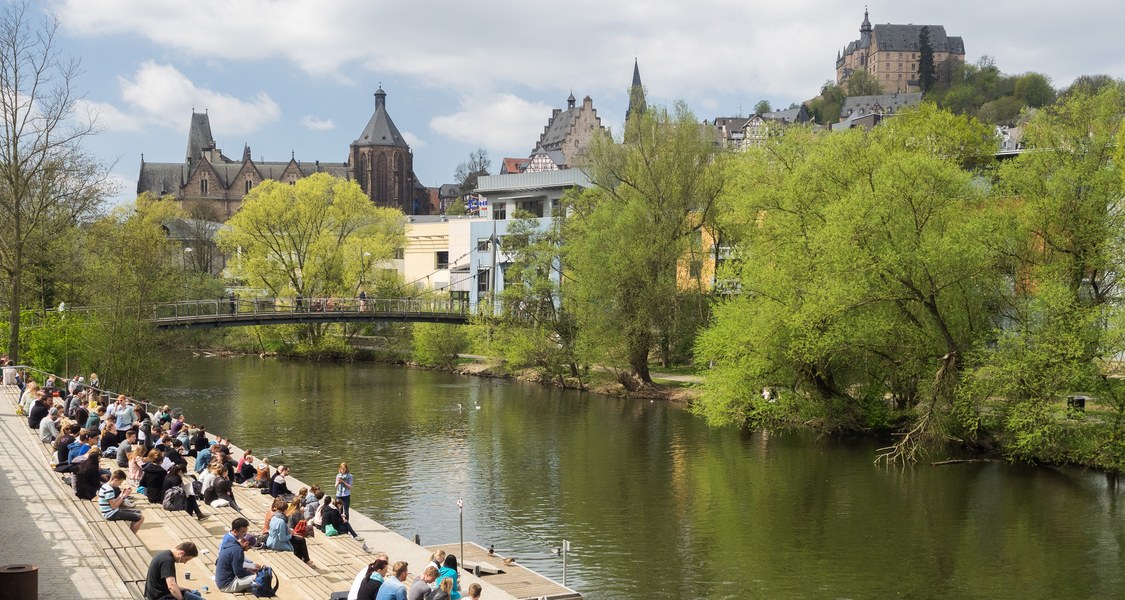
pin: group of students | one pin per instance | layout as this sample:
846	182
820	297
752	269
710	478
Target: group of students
381	580
150	451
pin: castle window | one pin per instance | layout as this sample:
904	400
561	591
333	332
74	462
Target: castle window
203	186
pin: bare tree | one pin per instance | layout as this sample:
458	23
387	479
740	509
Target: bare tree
47	180
469	171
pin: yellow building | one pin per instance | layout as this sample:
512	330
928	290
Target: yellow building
890	54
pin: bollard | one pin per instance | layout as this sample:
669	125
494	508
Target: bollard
417	539
476	570
21	581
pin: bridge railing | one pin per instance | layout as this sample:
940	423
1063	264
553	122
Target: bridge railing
222	308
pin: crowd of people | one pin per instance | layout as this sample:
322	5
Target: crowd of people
82	426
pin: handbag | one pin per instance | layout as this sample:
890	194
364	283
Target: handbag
330	530
301	528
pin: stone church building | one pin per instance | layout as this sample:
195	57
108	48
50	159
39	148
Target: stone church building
210	185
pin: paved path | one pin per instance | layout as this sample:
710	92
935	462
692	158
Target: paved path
41	526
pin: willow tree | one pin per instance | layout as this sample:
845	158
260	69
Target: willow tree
319	237
47	180
652	191
870	264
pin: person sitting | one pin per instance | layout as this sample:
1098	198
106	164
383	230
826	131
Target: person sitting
152	477
278	485
449	571
125	448
175	478
49	426
62	443
421	589
232	575
394	588
444	590
39	412
174	455
110	439
278	505
262	477
474	591
137	463
87	477
331	514
370	578
111	500
245	469
160	582
199	442
280	536
203	457
221	492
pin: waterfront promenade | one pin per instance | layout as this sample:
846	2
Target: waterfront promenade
79	555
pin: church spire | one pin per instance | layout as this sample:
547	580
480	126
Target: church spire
636	93
865	27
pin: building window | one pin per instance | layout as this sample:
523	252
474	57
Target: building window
697	239
203	186
482	245
482	281
535	207
441	260
249	184
499	211
695	269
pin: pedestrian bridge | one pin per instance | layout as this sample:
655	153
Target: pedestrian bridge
200	314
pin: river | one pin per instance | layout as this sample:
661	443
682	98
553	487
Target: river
655	503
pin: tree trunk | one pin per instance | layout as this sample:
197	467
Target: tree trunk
14	299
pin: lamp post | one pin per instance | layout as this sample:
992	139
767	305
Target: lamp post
187	256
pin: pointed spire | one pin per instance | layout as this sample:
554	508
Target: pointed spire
865	27
636	93
380	97
570	100
380	130
246	153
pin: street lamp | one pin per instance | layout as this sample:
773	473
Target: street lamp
187	256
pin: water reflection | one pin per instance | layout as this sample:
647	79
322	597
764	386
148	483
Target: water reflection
655	504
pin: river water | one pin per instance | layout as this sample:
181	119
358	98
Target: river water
655	503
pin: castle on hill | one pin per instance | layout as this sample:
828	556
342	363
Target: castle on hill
890	53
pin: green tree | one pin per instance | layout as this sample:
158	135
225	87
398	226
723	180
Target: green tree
1034	89
48	180
543	334
314	238
129	266
927	74
456	208
762	107
825	108
868	265
437	345
862	83
625	235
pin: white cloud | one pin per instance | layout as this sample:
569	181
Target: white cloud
162	94
414	141
497	121
317	124
693	50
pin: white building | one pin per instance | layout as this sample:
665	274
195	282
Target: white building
465	255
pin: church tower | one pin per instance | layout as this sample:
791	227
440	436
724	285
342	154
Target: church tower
381	162
636	93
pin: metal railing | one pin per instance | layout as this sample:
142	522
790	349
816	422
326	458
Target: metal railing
312	309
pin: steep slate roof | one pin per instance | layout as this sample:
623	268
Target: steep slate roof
199	136
555	132
888	103
380	130
161	178
904	38
789	115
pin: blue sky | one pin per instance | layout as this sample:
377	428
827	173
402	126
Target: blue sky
298	75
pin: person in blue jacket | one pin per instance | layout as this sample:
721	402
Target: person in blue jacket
281	539
449	571
232	574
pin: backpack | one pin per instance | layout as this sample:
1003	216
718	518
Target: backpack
265	584
174	499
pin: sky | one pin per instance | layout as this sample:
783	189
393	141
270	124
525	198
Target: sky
297	77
